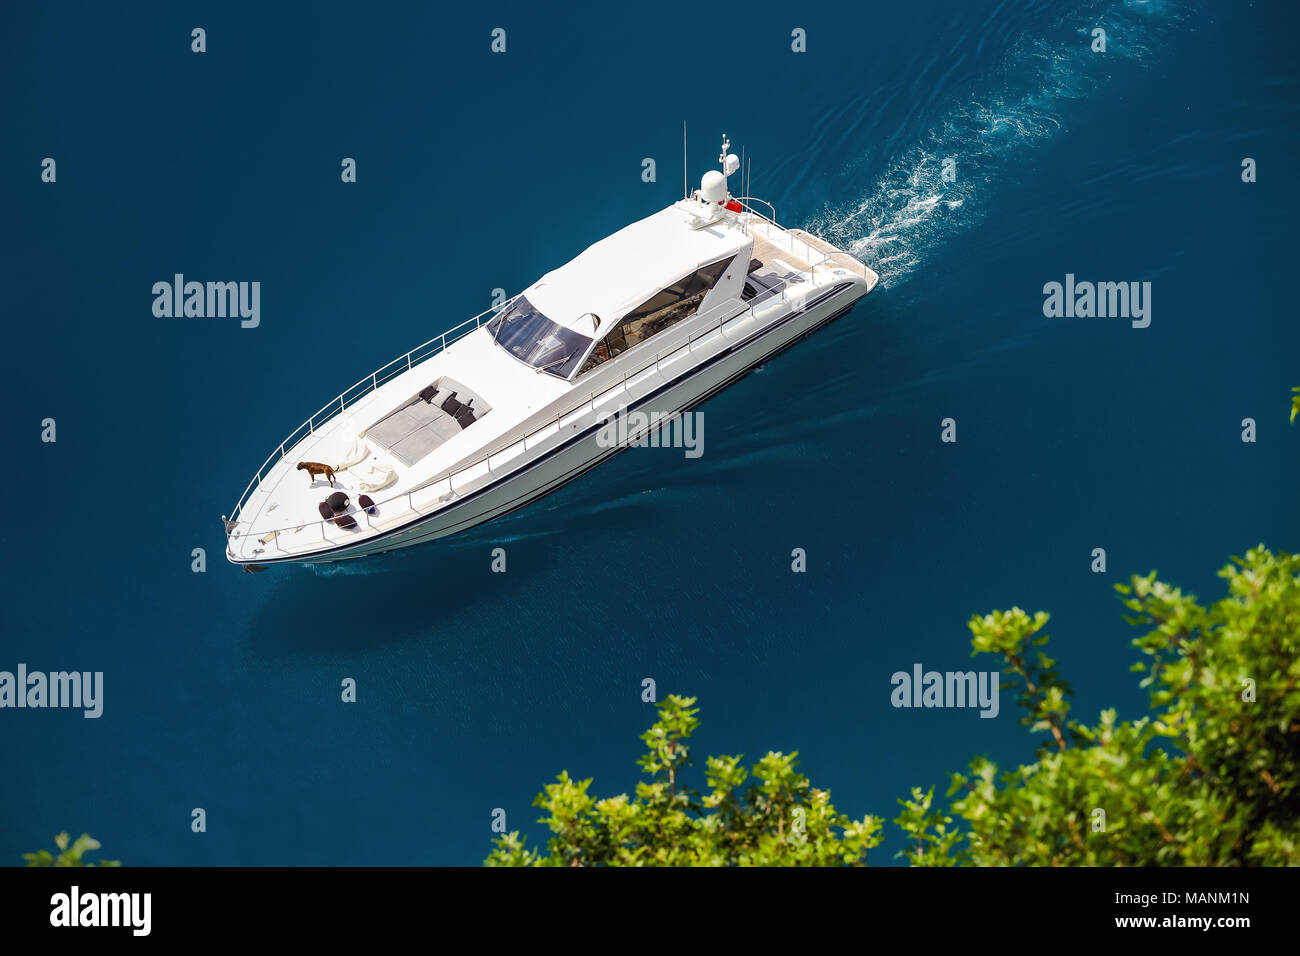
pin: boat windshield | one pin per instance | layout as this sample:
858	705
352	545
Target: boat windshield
533	338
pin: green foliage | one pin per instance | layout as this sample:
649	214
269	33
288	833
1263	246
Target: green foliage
777	818
1295	403
1210	777
69	855
936	843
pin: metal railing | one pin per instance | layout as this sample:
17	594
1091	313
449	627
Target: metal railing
746	200
364	386
574	415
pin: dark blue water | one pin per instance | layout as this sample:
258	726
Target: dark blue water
480	171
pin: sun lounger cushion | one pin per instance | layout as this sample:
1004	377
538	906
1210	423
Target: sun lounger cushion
465	415
451	405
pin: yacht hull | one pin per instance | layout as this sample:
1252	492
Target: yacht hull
582	452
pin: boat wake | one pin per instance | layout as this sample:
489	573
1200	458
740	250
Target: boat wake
915	207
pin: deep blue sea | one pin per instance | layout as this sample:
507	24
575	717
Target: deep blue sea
478	171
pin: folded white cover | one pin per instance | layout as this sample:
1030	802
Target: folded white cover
376	476
355	453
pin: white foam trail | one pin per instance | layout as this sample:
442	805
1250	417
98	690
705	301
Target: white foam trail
911	210
351	568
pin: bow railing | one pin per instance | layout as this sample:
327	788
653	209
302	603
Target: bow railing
364	386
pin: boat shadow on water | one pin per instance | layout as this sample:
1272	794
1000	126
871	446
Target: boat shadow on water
439	591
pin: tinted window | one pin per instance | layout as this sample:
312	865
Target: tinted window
661	311
531	337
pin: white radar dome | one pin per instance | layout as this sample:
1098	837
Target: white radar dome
713	187
733	163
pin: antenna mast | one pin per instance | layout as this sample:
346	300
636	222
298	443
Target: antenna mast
685	188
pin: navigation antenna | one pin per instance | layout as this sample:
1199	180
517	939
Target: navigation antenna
730	163
686	189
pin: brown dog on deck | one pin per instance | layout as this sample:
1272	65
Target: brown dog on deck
314	468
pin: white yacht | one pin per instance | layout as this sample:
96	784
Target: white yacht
514	402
